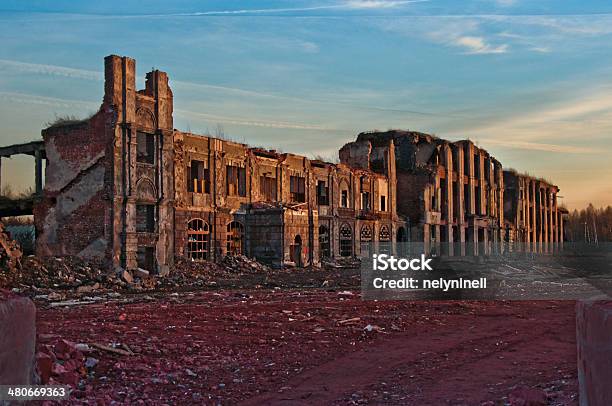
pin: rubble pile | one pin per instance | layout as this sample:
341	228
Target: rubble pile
61	280
10	252
341	263
192	273
242	264
64	273
65	363
230	268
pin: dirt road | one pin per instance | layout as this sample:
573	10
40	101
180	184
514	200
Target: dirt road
310	347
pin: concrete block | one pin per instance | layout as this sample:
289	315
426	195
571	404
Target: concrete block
17	339
594	340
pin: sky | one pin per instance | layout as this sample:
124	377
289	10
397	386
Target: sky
528	80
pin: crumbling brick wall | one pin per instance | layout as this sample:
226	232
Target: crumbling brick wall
71	216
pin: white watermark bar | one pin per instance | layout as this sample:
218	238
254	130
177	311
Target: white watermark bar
33	392
466	271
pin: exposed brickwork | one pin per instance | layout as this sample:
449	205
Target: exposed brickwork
454	192
126	186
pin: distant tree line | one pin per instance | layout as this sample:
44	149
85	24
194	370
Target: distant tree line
590	225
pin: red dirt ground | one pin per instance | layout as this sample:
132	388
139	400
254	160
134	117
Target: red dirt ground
290	347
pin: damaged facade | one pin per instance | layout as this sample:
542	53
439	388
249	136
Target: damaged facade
451	192
534	219
125	186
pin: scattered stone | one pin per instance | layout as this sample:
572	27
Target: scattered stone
127	277
82	347
370	327
526	396
91	362
141	273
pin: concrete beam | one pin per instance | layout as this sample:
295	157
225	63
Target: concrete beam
29	148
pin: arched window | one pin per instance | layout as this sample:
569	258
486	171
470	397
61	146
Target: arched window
384	234
365	238
197	239
384	238
235	238
346	240
366	233
324	241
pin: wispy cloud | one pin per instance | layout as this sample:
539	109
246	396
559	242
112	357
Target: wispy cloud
337	97
538	146
47	101
250	122
578	126
466	33
53	70
502	33
478	45
60	103
345	5
376	4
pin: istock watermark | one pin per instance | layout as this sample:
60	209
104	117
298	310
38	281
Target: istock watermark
414	272
385	262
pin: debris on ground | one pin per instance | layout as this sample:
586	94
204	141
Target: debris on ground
10	252
242	346
72	281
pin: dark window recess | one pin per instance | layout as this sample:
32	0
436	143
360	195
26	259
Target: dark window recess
145	147
297	188
322	193
344	199
365	201
235	181
235	238
145	218
434	206
324	244
145	258
199	178
383	203
364	184
443	198
267	188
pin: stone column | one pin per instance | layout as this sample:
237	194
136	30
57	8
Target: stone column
38	172
545	219
533	210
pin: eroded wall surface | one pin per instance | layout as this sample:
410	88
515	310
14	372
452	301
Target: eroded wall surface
139	193
70	218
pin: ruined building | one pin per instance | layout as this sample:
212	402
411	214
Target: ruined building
125	186
451	192
534	219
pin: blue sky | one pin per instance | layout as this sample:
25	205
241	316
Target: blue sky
531	81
